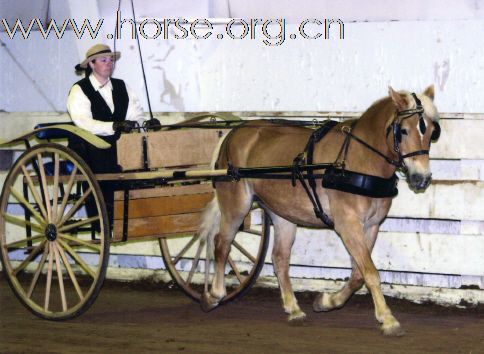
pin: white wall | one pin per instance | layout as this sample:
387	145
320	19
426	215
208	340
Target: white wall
353	10
423	46
437	42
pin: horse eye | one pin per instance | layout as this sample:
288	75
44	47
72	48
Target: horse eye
404	132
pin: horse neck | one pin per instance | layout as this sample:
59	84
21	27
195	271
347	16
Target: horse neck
371	128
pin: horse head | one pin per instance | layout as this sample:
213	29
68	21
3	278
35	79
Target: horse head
410	133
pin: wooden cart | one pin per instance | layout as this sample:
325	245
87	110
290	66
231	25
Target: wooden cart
55	253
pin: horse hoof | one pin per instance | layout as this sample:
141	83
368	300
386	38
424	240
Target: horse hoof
318	303
393	330
208	302
322	303
297	319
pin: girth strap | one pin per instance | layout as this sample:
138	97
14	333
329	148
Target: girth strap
307	155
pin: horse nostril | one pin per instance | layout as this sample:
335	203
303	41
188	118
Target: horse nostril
420	181
416	179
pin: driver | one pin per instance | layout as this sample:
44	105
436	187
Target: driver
105	107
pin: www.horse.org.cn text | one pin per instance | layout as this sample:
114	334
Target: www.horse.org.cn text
271	32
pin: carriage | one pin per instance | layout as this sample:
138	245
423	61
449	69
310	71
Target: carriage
56	258
165	192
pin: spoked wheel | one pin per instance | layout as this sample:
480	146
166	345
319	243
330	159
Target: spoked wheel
52	259
186	259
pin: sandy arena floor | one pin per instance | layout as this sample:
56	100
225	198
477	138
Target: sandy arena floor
146	318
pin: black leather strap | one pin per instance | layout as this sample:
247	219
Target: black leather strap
315	137
416	153
359	183
368	146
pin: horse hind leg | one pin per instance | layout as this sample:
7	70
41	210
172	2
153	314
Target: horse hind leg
284	235
233	212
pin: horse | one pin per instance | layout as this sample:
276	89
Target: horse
394	133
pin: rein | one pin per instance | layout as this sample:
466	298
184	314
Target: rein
396	126
347	130
235	124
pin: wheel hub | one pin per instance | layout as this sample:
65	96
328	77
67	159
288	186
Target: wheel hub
51	232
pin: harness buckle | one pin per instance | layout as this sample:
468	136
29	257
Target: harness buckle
346	129
296	167
340	164
233	173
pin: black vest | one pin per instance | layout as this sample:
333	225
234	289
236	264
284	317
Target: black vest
99	108
102	160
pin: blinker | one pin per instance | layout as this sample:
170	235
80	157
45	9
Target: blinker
422	126
436	133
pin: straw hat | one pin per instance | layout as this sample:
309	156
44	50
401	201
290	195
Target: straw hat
98	51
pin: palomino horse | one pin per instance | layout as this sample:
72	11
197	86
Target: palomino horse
395	132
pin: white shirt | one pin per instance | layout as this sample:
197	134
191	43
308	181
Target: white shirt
79	107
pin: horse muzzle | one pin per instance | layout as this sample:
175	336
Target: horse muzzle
419	181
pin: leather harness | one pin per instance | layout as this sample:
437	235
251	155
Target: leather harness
337	177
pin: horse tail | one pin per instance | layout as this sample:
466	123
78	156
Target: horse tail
210	224
210	221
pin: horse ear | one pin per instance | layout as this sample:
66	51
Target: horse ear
399	100
430	92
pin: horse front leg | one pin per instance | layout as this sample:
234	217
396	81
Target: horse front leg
350	229
331	301
284	235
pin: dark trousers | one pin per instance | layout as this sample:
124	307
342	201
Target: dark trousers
99	161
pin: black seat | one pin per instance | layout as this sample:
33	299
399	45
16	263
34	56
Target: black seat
66	167
52	133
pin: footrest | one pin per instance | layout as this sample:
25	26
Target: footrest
65	168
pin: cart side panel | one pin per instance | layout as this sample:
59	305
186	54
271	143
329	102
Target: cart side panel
162	211
182	147
165	149
130	151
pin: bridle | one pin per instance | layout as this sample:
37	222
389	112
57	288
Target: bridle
396	128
